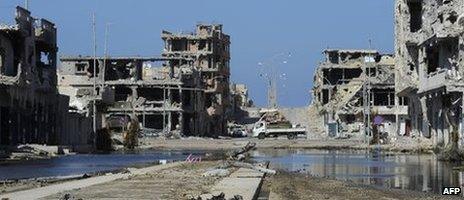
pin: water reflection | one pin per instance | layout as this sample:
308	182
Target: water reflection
400	171
87	163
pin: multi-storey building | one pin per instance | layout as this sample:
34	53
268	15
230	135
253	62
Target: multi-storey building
209	48
342	84
163	94
429	64
31	109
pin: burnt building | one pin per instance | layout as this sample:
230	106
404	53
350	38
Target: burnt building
429	63
162	94
31	109
209	48
346	82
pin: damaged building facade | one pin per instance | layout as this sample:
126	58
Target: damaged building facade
31	109
186	90
209	47
162	94
429	47
343	81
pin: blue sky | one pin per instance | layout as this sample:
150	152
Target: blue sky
259	30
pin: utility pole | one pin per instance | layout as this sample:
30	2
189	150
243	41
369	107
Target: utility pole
94	27
107	30
26	3
367	97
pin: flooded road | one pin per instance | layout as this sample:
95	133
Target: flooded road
399	171
87	163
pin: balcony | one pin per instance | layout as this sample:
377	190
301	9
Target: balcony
432	81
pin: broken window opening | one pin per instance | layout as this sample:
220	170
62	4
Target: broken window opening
383	97
333	57
350	119
174	121
90	70
45	59
340	76
432	59
80	67
453	17
175	96
448	53
325	96
202	45
350	74
404	101
187	96
120	70
179	45
151	94
413	52
122	93
152	121
415	11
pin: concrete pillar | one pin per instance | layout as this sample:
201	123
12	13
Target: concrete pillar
438	119
425	121
181	100
2	132
169	125
460	127
181	122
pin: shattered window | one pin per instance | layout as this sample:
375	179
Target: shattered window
80	67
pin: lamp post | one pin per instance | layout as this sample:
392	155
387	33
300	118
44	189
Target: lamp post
271	76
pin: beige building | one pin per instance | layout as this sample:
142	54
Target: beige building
343	81
429	65
209	47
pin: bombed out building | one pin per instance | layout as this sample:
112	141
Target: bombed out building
209	47
31	109
429	63
342	83
162	94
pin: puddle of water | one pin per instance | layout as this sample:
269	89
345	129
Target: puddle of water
400	171
87	163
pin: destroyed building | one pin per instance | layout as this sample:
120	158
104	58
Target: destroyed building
209	47
429	48
239	96
31	109
342	81
163	94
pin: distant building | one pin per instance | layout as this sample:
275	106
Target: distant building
209	47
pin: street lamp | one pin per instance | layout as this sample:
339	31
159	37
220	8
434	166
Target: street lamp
271	76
